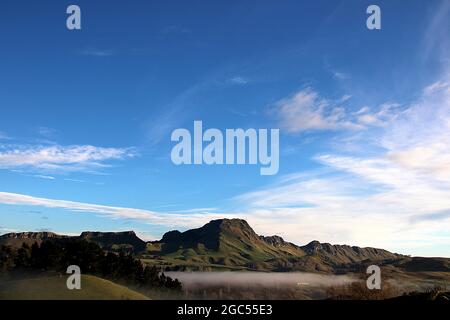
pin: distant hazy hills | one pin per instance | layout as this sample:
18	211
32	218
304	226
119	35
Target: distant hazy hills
232	244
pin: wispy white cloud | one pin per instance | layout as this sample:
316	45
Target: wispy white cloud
344	98
238	80
4	136
337	74
307	111
350	208
44	177
398	197
379	117
159	126
46	132
147	216
60	158
198	210
340	75
436	86
435	40
74	180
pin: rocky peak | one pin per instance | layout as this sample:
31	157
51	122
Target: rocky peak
312	247
275	241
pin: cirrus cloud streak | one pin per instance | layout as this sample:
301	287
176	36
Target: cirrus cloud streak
60	158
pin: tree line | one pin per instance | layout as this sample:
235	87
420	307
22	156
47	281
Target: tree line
53	256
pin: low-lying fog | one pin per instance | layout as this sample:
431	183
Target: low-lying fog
287	285
266	279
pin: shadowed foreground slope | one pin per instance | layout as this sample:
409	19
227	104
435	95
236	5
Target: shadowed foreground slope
54	288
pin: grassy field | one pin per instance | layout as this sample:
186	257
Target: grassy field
54	288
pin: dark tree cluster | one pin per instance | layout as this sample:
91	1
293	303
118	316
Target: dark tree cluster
52	256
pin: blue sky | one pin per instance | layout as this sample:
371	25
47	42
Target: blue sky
364	118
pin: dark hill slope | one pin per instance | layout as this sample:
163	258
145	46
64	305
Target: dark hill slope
16	240
233	243
115	241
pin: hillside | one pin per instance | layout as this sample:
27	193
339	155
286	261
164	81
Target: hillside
234	244
54	288
115	241
231	244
